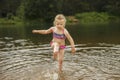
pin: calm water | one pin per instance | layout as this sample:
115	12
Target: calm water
27	56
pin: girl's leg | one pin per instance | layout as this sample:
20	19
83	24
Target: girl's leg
55	50
60	58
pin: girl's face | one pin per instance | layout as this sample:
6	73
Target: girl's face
60	24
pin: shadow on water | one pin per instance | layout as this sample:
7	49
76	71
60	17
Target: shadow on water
27	56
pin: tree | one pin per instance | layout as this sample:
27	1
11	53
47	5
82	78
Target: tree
39	9
8	6
113	7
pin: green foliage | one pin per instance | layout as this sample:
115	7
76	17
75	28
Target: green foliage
42	9
94	18
13	21
6	21
9	16
113	7
8	6
21	11
45	10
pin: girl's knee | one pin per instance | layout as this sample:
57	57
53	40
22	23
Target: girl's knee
60	61
56	52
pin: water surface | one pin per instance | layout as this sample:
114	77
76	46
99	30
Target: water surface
27	56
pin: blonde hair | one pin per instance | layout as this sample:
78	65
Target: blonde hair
61	18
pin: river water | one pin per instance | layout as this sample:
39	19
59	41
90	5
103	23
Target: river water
27	56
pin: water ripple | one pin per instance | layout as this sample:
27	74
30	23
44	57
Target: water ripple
21	60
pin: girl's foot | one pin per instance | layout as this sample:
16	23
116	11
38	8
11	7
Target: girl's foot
60	71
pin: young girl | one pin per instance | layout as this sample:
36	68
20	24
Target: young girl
59	36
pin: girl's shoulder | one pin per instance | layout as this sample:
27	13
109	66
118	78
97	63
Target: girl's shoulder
66	31
52	28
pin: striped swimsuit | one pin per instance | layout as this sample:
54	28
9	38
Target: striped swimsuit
59	36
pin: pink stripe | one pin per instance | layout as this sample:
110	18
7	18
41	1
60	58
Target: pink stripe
62	47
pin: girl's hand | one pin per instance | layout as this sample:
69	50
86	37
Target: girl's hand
34	31
73	50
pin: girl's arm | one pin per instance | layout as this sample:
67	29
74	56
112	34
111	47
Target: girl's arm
70	40
43	31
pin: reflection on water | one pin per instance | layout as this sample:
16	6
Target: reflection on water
27	56
95	34
23	60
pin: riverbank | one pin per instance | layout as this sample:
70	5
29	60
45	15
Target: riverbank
90	18
86	18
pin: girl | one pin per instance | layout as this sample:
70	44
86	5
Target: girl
59	36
